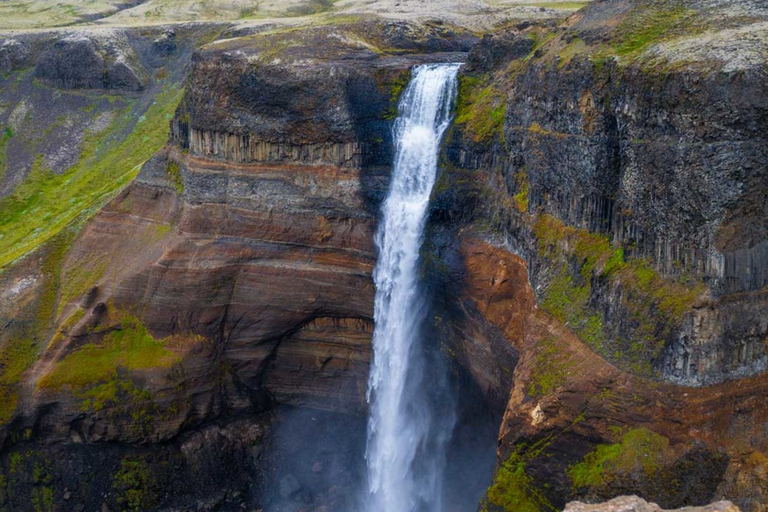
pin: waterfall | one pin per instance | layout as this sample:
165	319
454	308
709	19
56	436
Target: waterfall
406	441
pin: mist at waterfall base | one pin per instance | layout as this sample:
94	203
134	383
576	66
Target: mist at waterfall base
430	441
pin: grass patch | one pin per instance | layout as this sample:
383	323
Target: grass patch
649	25
131	347
45	203
639	451
22	347
4	138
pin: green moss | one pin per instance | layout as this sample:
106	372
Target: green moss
45	202
14	461
7	134
513	490
480	108
24	343
640	451
135	485
578	260
42	490
173	171
131	347
523	188
550	369
647	25
396	89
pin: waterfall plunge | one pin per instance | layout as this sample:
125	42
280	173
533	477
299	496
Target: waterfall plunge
406	442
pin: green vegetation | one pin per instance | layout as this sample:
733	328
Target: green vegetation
311	7
4	138
557	5
523	188
174	175
639	451
24	341
575	47
550	370
129	347
580	260
135	485
480	108
78	279
648	25
514	490
45	203
42	490
395	91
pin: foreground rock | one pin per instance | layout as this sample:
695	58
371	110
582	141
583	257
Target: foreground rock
635	504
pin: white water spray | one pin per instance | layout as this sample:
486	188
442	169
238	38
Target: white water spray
405	452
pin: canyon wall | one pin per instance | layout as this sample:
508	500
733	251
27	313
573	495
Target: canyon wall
601	210
595	253
229	283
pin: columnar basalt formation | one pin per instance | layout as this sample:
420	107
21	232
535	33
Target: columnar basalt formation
610	173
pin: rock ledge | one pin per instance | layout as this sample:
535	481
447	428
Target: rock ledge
635	504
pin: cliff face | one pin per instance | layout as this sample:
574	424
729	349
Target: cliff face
596	253
609	169
231	277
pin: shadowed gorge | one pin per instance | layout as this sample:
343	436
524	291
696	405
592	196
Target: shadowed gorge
492	256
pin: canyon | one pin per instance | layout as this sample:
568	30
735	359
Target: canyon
188	215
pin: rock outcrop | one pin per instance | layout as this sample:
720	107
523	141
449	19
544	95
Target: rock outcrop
635	504
83	61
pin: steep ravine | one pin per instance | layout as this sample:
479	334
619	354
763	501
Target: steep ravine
595	256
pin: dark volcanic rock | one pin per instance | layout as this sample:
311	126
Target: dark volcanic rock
13	54
82	61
